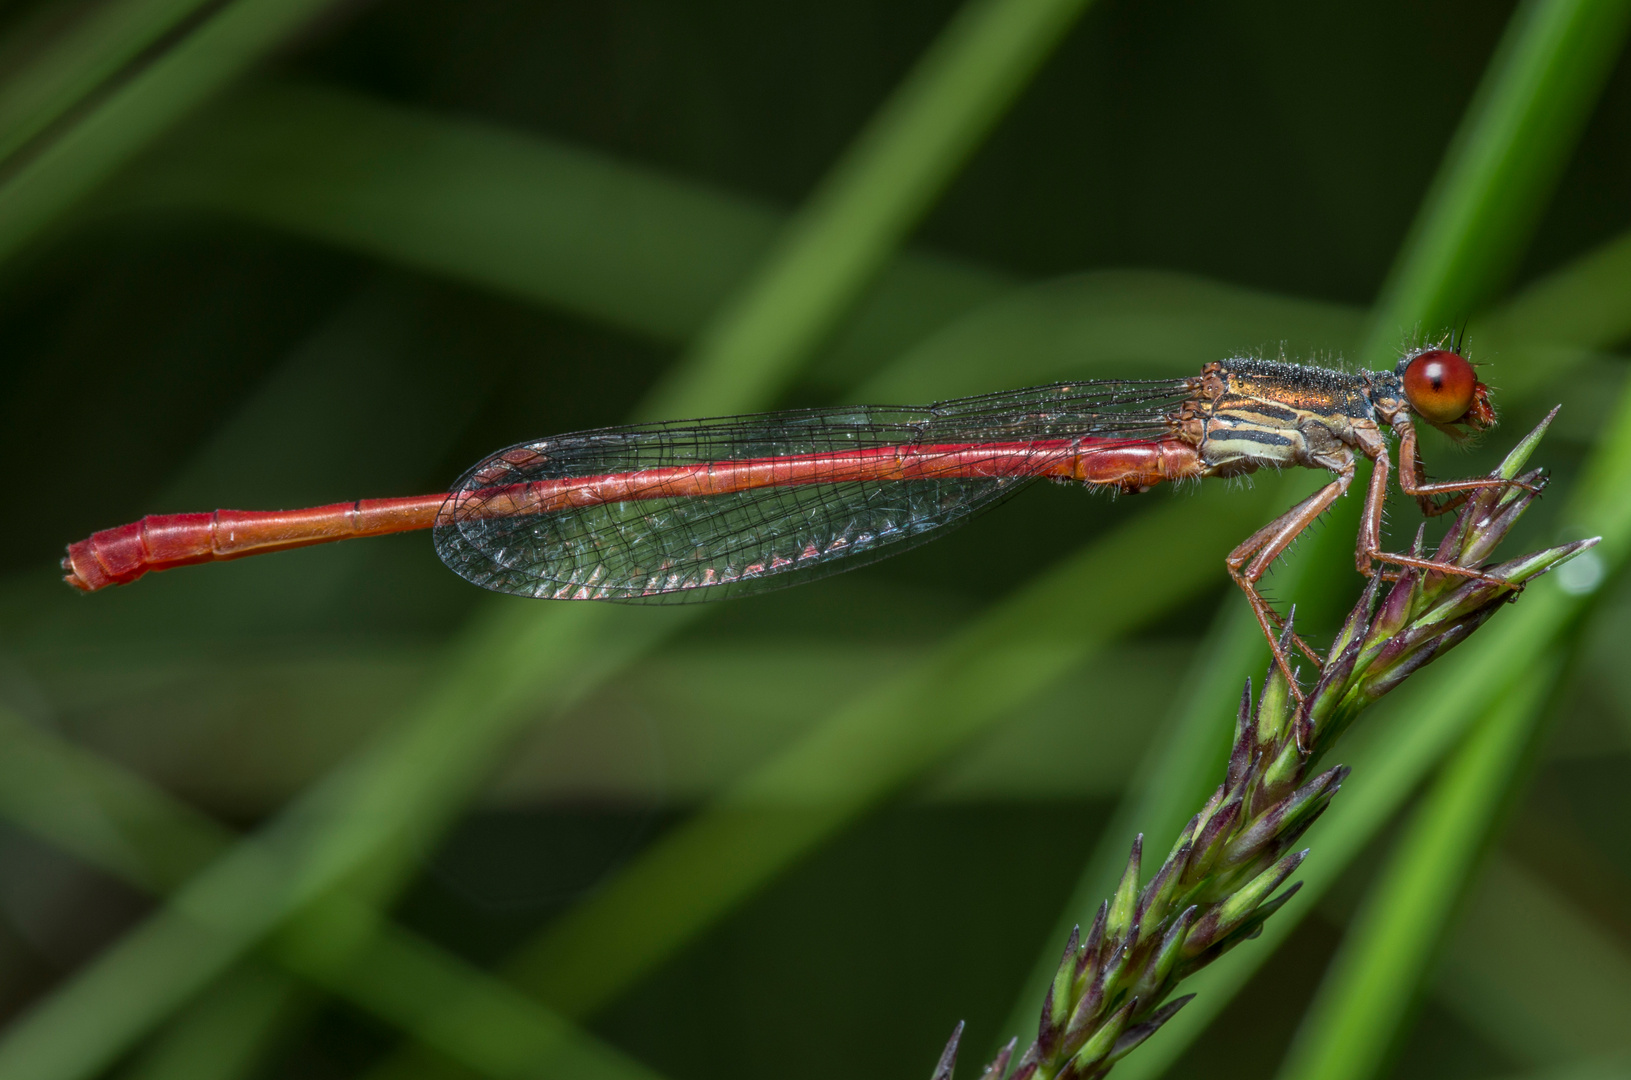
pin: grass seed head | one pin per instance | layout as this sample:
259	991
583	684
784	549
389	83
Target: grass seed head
1224	874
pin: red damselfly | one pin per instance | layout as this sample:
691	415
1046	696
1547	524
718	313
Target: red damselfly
701	509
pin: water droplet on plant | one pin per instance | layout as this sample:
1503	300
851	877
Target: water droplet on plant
1581	574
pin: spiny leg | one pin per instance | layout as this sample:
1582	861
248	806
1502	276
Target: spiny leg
1252	559
1424	494
1283	622
1413	482
1369	550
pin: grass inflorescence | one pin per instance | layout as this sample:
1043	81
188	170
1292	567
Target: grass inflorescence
1222	878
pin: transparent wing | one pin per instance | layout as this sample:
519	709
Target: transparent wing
634	513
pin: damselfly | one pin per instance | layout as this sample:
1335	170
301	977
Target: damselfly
700	509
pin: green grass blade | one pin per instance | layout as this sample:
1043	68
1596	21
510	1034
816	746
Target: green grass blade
376	809
70	69
873	196
597	964
1500	168
465	1014
506	211
1581	304
1104	325
222	1036
359	843
1373	984
108	818
869	749
1546	75
1494	181
783	810
1607	1067
379	812
1537	76
118	822
81	157
544	221
653	255
1518	932
1232	651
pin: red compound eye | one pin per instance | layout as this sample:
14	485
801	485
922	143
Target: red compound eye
1440	385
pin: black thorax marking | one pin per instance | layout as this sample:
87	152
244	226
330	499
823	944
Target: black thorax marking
1252	413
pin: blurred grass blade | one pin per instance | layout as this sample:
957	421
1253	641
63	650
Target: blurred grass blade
1160	804
1108	324
468	1016
1495	180
721	858
1374	983
865	206
101	43
1500	169
1556	322
440	753
1608	1067
653	255
1518	933
89	150
868	750
549	222
1583	302
105	816
378	813
375	811
118	822
222	1036
1544	71
1212	892
1511	148
783	810
1422	726
500	209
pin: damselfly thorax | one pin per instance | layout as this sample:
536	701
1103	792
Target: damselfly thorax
700	509
1248	414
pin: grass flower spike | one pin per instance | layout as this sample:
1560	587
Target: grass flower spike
1224	875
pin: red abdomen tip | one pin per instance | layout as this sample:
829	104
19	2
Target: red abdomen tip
110	557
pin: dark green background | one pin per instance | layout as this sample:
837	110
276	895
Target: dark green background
162	352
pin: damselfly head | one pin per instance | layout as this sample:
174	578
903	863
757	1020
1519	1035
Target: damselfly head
1443	390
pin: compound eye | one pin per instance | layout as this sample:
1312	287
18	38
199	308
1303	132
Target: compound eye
1440	385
